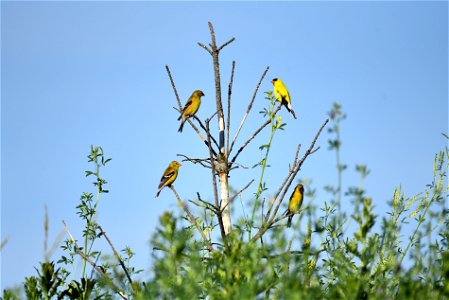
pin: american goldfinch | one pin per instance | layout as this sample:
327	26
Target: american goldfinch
295	203
190	108
282	95
169	176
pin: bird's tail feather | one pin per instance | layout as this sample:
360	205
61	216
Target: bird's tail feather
290	109
293	113
289	222
181	126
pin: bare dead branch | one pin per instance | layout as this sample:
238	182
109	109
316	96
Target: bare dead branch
205	47
180	106
236	194
213	45
200	161
228	114
174	87
267	226
253	135
235	165
290	177
297	154
192	219
225	44
206	204
199	122
298	167
249	108
291	170
315	150
122	264
204	128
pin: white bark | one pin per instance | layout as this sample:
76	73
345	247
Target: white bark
224	196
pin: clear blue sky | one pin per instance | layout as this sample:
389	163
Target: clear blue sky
77	73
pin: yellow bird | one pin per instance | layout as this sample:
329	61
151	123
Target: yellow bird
190	108
169	176
282	95
295	203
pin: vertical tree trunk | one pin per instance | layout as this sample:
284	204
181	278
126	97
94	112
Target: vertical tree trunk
222	172
224	195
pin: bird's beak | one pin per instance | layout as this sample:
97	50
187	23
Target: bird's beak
272	81
180	164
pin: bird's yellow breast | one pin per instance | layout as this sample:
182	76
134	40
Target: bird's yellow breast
295	201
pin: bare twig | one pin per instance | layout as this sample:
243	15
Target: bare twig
204	128
192	219
180	106
206	204
200	161
290	177
205	48
236	194
315	150
235	165
228	115
298	167
253	135
122	264
4	242
291	170
201	125
267	226
174	87
249	108
225	44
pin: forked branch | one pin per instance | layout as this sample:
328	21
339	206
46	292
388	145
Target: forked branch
254	135
228	115
290	177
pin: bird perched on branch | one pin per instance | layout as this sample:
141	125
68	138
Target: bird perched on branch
169	176
190	108
295	203
282	95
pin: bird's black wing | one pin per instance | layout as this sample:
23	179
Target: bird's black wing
165	177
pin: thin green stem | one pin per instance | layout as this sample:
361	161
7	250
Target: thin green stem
420	221
339	169
89	221
264	163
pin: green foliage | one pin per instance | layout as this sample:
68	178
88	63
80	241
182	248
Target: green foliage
332	259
